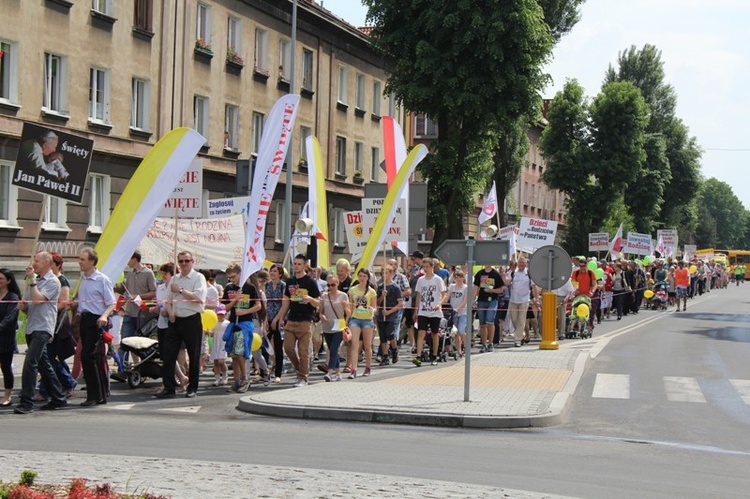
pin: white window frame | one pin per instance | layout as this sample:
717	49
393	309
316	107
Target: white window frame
55	84
234	34
102	7
339	228
278	231
285	59
343	83
203	23
359	91
425	124
99	86
9	194
261	41
259	121
231	127
375	163
304	133
359	157
340	155
9	72
141	105
308	69
100	202
377	96
200	115
56	208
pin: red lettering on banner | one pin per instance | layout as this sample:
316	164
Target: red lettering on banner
537	223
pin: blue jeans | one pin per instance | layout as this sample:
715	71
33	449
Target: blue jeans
129	328
61	370
37	361
460	322
333	340
486	311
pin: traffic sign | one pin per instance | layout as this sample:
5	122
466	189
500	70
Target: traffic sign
488	252
549	267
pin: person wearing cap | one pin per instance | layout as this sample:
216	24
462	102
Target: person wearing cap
95	303
218	354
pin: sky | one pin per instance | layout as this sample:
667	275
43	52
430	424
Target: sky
705	49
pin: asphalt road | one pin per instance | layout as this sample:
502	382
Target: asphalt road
660	441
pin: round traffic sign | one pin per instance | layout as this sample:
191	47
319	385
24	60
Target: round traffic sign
549	267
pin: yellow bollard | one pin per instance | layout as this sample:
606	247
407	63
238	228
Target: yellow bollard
549	321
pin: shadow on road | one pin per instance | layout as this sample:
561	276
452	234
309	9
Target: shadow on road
727	333
713	317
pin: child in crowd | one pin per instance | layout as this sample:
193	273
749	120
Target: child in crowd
218	354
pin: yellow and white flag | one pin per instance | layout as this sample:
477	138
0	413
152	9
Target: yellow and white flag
317	202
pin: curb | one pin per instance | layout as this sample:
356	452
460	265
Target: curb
557	411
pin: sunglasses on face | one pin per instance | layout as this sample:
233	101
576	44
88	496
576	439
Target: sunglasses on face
184	261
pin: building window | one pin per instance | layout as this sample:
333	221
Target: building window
304	133
285	60
307	69
102	6
340	156
55	88
343	77
533	195
339	228
360	91
200	115
375	164
203	25
99	98
261	40
141	105
526	193
8	72
56	215
234	36
377	95
258	123
231	127
8	196
359	152
143	17
392	105
278	235
424	127
99	202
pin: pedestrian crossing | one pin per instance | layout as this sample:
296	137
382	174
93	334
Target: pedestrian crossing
676	388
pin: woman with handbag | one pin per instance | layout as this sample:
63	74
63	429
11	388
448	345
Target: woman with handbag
9	297
334	314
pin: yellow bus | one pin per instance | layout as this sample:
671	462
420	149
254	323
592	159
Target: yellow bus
740	257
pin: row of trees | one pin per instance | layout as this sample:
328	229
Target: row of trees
475	67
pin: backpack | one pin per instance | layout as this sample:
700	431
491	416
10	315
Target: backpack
589	273
512	276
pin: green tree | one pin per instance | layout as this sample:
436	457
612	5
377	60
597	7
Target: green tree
676	182
593	152
723	220
509	155
470	64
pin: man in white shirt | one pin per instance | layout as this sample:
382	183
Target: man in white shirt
429	291
185	303
521	290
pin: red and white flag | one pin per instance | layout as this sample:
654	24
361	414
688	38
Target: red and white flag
274	143
395	155
489	209
660	247
616	246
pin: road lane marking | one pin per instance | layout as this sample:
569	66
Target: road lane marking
683	389
743	388
612	386
191	409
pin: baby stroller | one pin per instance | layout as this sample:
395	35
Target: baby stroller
579	325
659	300
445	339
146	348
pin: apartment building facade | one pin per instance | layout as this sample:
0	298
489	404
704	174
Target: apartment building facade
125	73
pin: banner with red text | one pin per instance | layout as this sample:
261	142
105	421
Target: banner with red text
214	242
534	233
274	143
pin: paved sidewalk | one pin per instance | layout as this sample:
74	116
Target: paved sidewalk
510	388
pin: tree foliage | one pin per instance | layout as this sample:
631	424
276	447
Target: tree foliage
509	155
723	220
471	65
593	152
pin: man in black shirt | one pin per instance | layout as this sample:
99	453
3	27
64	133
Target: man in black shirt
301	300
488	285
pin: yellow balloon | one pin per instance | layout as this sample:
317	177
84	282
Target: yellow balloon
648	294
693	269
582	311
209	319
257	342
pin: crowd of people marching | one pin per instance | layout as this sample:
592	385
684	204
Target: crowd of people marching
278	323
